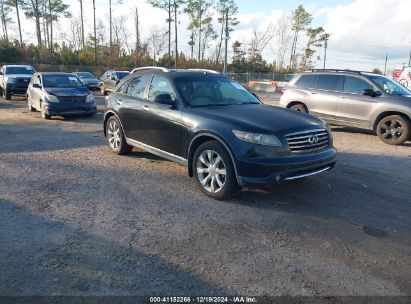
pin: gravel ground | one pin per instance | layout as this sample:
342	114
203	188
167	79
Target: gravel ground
76	219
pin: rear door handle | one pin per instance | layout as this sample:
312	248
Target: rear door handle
343	97
146	108
313	93
119	102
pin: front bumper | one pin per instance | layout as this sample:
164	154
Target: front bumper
19	88
67	109
256	172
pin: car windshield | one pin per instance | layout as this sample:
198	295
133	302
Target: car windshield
121	75
61	81
85	75
390	86
204	91
27	70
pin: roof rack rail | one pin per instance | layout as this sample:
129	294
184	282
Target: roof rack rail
204	70
149	68
335	70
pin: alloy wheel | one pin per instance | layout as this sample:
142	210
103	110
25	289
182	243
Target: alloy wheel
391	129
211	171
114	136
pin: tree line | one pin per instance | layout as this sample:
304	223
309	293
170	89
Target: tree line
292	39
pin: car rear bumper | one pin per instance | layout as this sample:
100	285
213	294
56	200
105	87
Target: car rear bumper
70	109
265	171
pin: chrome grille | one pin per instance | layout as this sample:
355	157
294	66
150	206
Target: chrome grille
308	141
72	99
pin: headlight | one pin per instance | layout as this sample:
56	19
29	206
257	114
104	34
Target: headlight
259	139
52	98
90	98
11	80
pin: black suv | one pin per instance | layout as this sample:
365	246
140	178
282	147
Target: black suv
217	128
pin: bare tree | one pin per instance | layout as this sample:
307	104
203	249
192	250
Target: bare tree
157	42
4	17
15	4
82	22
283	29
230	8
300	20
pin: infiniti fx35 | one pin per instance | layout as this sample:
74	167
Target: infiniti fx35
224	135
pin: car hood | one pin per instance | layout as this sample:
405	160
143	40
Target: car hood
261	118
68	91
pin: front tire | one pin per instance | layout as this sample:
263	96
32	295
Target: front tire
115	137
299	107
103	90
214	171
44	114
6	94
394	130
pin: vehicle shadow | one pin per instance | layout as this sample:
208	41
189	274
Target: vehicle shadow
47	136
43	256
363	195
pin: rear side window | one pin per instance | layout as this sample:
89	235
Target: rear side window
330	82
355	85
304	81
137	86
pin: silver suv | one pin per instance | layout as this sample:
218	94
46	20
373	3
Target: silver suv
355	99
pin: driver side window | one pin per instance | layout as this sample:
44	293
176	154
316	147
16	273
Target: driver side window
355	85
159	86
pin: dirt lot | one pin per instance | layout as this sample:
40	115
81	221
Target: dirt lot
78	220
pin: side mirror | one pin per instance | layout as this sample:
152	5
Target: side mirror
371	92
113	78
36	86
1	73
164	99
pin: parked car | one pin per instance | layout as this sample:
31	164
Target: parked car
62	94
217	128
89	80
354	99
405	78
14	79
110	79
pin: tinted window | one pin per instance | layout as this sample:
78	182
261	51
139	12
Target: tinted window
123	88
137	86
120	75
390	86
20	70
61	81
85	75
355	85
329	82
204	91
160	85
304	81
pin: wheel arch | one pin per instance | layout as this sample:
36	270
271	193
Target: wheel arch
202	138
107	115
389	113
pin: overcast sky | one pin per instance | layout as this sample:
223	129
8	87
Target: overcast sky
362	31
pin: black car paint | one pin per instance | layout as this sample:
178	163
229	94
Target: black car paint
175	131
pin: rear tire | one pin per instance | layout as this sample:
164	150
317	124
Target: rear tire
299	107
214	171
394	130
30	105
115	137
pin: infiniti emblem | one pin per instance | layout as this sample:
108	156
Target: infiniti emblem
313	139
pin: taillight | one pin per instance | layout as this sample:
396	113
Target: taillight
282	91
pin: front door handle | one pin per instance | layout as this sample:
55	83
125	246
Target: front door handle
119	102
343	97
146	108
314	93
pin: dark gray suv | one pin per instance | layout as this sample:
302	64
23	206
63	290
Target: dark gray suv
355	99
